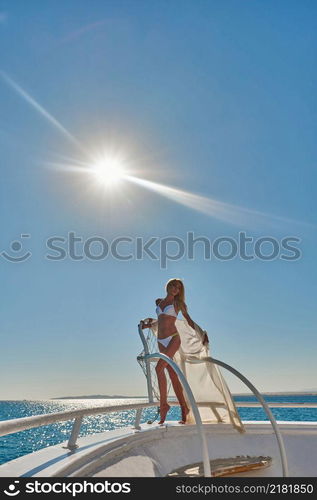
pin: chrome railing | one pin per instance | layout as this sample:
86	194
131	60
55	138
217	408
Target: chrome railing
267	410
199	424
185	384
21	424
147	364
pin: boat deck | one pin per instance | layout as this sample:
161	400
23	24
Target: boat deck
155	451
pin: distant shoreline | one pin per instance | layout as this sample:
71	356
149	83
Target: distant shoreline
289	393
117	396
100	397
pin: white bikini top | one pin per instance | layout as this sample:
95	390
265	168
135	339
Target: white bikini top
169	310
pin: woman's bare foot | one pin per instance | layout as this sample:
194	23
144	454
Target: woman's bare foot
163	411
185	411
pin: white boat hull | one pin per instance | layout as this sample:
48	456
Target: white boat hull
155	451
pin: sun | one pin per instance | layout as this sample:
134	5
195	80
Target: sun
108	171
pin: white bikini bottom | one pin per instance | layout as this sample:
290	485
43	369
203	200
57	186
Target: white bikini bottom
167	340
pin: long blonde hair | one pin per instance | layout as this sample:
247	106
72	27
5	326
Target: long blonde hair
180	297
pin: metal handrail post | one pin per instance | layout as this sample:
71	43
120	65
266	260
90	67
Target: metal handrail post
147	364
74	435
138	415
201	432
265	407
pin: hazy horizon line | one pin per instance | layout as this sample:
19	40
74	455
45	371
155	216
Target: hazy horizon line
118	396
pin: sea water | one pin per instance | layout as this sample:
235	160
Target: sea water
18	444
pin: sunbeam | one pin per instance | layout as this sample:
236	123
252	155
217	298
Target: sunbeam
41	110
109	170
106	169
232	214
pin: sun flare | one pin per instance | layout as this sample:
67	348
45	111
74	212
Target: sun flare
108	171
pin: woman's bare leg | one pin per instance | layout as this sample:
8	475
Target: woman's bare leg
162	383
170	350
177	386
178	389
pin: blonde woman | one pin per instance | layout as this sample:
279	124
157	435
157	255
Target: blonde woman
169	342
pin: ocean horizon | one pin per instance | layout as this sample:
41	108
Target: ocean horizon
312	392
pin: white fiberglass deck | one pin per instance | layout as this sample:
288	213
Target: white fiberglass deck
154	451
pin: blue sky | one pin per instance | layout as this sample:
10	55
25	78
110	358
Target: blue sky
212	98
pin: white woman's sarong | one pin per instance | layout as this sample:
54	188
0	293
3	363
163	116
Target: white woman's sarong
210	390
